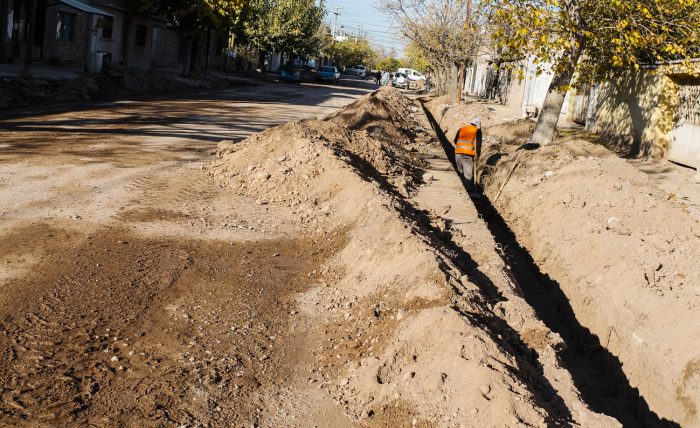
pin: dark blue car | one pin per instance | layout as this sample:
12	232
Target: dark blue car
290	73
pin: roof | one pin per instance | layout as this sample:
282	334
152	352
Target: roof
75	4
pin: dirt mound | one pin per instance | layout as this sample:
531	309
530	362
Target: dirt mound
402	336
623	252
452	117
513	132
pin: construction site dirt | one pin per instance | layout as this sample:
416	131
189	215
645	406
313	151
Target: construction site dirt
301	256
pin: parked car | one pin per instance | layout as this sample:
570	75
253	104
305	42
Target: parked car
290	73
400	81
328	74
412	74
357	70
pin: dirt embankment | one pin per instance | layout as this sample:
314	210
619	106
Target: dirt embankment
401	336
622	252
17	93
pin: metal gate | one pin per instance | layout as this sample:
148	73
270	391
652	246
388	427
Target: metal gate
685	137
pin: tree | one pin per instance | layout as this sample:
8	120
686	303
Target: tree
586	40
416	59
192	18
288	26
352	52
389	64
446	33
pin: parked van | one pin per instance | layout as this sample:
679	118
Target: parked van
412	74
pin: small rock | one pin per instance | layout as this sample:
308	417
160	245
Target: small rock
485	388
400	315
262	175
427	177
344	381
549	174
114	359
615	224
226	145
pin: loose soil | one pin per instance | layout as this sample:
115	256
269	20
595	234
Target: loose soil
153	332
306	275
618	257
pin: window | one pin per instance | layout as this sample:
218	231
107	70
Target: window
16	21
141	31
107	24
65	26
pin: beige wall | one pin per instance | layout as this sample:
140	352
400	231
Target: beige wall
636	112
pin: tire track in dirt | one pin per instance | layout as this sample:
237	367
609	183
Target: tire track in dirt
151	332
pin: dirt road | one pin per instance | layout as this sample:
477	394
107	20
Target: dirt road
133	288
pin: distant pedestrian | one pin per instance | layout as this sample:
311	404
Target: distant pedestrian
386	76
378	77
467	148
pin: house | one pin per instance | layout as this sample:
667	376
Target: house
521	85
652	112
90	34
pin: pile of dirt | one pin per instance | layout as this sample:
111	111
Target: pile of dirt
623	252
399	334
451	117
16	93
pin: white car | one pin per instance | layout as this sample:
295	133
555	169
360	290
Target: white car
412	74
358	70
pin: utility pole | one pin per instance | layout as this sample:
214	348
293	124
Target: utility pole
335	21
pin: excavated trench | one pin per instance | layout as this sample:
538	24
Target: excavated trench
596	372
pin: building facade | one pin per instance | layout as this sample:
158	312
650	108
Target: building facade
93	34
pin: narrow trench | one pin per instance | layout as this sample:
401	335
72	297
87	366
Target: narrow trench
596	372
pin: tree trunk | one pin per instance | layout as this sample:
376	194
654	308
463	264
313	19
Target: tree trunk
196	46
461	79
553	102
29	49
261	60
455	93
208	51
187	60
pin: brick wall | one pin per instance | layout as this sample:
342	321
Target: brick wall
65	53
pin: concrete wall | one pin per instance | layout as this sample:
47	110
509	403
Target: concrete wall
635	112
112	45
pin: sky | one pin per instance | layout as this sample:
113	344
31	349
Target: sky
364	16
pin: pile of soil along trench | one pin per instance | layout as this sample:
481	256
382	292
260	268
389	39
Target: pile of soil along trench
399	331
607	260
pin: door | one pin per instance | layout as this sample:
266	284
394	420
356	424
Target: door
685	137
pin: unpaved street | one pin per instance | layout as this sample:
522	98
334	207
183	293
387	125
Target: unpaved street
133	290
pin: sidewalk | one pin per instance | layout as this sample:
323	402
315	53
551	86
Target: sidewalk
41	71
681	183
